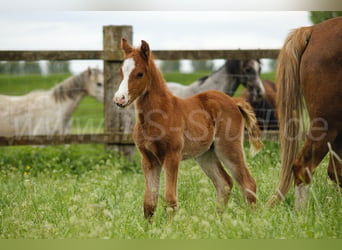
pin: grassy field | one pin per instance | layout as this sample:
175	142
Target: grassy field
83	192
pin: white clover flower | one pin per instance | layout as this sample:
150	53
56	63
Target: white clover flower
205	224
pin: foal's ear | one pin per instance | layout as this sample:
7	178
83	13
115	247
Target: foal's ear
125	46
145	50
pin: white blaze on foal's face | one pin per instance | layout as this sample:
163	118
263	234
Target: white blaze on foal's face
121	97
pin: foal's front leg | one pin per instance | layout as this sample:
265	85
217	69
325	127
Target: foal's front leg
171	165
151	169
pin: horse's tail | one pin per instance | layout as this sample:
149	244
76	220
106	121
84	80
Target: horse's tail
290	104
251	125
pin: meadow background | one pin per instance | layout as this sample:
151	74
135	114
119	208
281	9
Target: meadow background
85	192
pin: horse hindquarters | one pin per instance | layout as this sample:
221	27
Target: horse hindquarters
320	81
289	105
233	158
228	146
213	168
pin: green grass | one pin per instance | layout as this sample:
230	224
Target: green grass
184	79
269	76
21	84
81	191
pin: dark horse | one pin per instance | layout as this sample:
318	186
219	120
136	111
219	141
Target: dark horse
226	79
265	107
310	66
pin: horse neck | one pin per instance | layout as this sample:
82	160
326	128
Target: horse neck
156	93
70	88
70	92
220	80
232	86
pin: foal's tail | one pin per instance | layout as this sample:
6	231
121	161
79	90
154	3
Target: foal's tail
290	104
251	125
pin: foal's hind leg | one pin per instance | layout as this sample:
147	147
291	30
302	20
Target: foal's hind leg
232	155
335	164
223	183
314	150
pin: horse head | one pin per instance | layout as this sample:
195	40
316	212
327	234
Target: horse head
134	73
247	73
94	84
250	78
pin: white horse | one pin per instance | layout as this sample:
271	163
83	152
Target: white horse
48	112
226	79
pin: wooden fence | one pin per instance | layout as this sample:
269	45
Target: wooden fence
112	56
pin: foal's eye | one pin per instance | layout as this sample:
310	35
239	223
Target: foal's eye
140	75
99	84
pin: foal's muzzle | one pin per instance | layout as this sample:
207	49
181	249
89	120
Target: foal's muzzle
120	100
120	105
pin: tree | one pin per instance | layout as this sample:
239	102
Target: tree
272	64
58	67
320	16
202	65
170	66
2	68
31	68
20	68
11	68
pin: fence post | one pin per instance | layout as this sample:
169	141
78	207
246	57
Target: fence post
119	121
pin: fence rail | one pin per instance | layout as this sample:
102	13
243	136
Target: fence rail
112	57
33	55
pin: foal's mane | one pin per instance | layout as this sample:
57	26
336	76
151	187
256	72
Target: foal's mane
233	67
202	79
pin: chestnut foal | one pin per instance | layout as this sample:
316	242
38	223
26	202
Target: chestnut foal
208	127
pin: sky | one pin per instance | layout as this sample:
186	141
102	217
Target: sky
23	29
171	5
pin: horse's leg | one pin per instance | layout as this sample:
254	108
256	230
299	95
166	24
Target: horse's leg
314	150
223	183
151	169
335	164
232	155
171	165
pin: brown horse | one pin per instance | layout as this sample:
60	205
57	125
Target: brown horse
208	127
264	107
310	65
